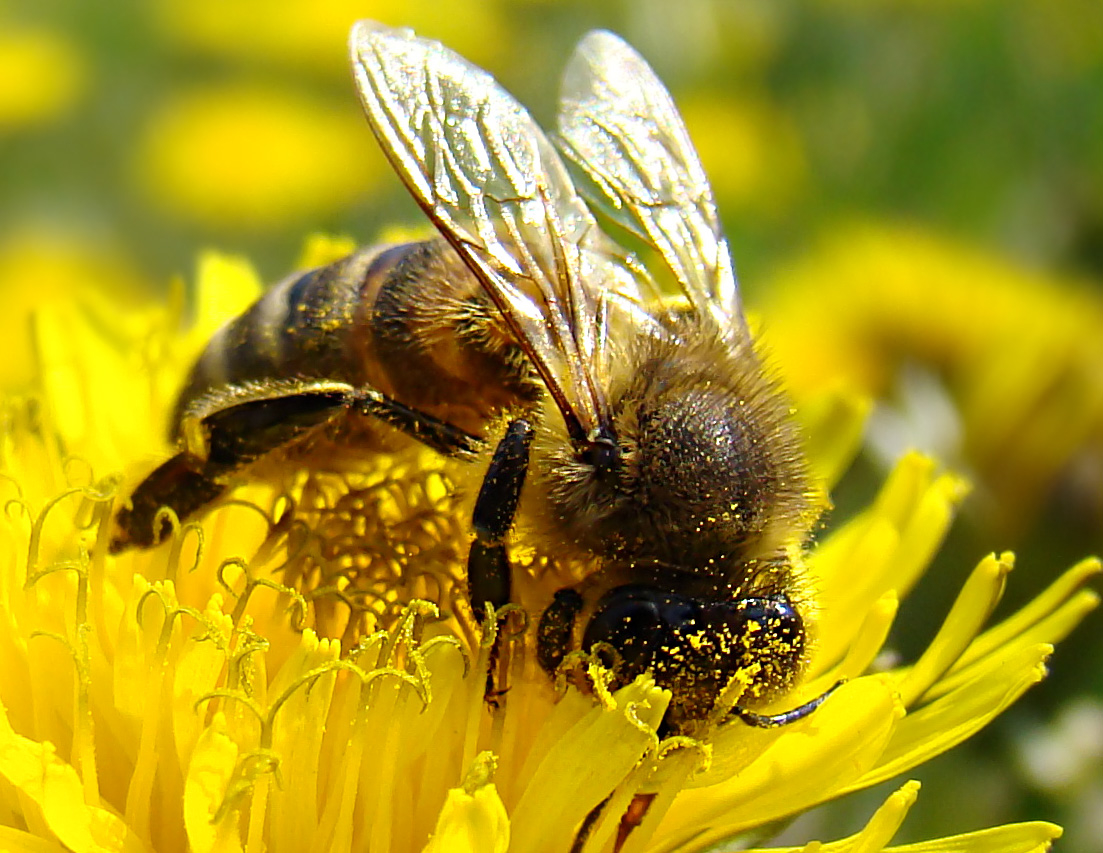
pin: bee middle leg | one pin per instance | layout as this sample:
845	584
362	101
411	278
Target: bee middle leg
488	570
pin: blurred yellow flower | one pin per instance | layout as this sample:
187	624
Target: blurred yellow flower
190	697
251	157
39	266
751	151
306	33
909	311
44	74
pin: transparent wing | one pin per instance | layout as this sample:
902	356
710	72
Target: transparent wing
489	179
619	124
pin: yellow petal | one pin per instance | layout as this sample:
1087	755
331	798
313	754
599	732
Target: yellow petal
1013	838
834	423
197	672
885	548
971	610
567	783
1036	837
863	551
321	249
870	639
473	819
1065	591
16	841
877	832
208	779
945	722
297	736
884	823
225	286
806	764
58	795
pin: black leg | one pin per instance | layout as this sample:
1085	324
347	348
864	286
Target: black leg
244	432
488	568
180	484
773	721
233	437
239	427
442	437
557	623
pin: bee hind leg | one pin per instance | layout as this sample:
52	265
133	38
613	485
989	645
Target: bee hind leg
226	431
236	430
178	484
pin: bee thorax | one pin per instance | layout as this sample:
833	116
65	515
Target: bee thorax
707	478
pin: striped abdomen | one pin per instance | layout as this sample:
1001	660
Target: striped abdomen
409	321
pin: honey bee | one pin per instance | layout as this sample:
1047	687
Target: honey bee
635	434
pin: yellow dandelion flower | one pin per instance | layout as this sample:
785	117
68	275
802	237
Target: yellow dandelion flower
45	75
296	672
38	266
751	151
311	34
910	311
253	157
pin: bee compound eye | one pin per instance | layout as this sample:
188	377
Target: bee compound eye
641	623
769	628
765	638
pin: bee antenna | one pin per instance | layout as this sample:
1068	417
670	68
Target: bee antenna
603	453
773	721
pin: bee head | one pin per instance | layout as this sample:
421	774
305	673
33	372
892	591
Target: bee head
694	647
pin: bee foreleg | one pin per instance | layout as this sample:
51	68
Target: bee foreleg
488	571
557	625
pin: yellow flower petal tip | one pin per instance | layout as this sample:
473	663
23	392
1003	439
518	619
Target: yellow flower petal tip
473	817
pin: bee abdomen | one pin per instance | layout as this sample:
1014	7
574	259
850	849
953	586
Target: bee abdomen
300	328
441	343
409	321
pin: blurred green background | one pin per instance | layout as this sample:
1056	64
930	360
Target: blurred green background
913	192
